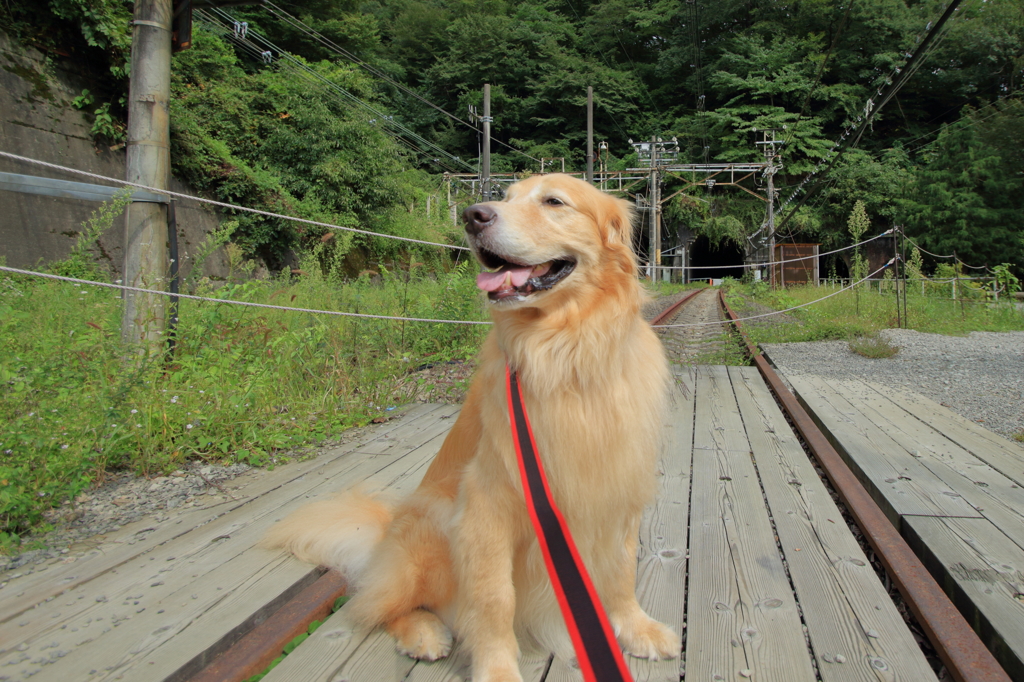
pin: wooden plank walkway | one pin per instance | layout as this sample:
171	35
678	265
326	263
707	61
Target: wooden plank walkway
955	490
744	552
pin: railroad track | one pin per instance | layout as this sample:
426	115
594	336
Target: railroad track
958	647
708	341
961	651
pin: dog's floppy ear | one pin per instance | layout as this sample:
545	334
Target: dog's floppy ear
618	222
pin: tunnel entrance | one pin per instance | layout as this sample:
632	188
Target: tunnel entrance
725	261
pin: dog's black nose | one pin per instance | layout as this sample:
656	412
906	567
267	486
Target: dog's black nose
478	218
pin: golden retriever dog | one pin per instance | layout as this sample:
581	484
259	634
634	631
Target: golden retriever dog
460	554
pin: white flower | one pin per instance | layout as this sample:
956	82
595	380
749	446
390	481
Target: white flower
135	411
188	426
174	399
63	447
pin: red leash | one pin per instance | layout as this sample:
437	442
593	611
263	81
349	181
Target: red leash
597	650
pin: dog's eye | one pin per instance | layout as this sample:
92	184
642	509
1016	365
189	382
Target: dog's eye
554	201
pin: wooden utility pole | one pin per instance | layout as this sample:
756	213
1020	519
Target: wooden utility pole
148	163
485	161
590	134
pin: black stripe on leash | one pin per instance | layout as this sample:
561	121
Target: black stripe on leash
597	650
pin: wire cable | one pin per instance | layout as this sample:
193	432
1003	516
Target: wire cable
228	301
780	312
311	74
781	262
233	207
323	40
871	109
935	255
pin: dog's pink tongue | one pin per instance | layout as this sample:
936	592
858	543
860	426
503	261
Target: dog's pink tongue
494	281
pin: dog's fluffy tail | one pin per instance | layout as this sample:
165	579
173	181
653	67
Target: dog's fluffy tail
340	533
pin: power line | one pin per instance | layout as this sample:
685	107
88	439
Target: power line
871	108
607	63
272	49
263	55
323	40
702	114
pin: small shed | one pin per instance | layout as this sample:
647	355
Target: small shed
795	264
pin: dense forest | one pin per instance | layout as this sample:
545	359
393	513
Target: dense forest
349	111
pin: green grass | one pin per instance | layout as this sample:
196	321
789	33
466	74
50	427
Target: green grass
873	347
864	313
243	384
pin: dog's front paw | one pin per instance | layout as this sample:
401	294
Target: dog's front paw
644	637
421	635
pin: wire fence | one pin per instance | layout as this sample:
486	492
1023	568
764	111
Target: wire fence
221	204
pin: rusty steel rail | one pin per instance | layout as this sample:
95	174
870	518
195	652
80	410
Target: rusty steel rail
962	652
256	649
668	312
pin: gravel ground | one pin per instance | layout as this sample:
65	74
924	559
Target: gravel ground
979	376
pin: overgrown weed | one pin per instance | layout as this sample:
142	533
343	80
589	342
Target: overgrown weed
243	384
873	347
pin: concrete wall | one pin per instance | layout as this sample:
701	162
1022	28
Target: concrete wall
38	121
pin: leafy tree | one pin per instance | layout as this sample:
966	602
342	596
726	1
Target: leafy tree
967	196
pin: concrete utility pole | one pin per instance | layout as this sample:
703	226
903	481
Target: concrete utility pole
655	256
590	134
148	163
770	156
485	161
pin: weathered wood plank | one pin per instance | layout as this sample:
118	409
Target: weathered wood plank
135	539
983	572
211	564
660	580
1001	454
855	631
995	496
186	549
742	615
661	571
899	483
340	648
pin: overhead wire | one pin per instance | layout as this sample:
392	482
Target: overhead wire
604	58
788	260
254	51
935	255
787	310
385	119
893	83
699	69
331	45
